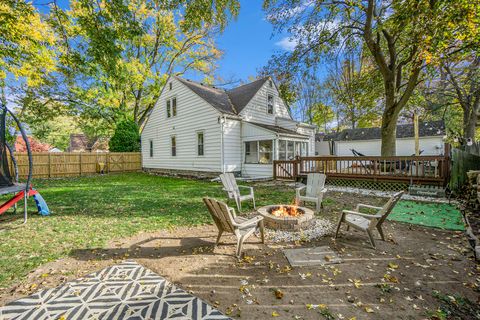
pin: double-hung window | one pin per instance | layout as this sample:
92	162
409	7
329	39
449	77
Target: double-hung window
259	152
151	148
173	143
287	150
172	107
270	103
200	144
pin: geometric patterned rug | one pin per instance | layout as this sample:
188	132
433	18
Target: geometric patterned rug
123	291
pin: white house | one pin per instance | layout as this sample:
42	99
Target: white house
367	141
203	130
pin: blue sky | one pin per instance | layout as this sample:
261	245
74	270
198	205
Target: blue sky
247	43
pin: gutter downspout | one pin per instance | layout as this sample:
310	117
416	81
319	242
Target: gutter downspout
222	154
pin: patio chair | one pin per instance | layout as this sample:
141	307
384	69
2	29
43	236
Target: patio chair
314	190
226	220
233	190
368	222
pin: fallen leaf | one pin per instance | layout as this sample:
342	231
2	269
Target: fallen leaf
368	309
275	314
278	293
392	265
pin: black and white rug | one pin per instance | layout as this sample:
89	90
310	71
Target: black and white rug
123	291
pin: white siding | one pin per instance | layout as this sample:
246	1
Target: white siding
287	123
257	170
322	148
193	115
232	145
405	146
251	132
256	109
310	132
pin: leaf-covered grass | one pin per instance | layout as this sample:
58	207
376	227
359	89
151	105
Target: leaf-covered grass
89	211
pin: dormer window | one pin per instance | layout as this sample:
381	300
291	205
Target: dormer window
270	103
170	86
270	83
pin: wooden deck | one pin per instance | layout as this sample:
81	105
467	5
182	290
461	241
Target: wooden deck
432	170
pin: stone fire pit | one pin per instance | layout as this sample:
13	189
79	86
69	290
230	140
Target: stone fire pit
286	217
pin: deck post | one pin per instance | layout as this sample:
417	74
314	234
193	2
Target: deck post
274	169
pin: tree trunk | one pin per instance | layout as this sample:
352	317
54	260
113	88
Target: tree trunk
470	119
389	133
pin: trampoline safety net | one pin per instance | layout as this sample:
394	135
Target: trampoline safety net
5	177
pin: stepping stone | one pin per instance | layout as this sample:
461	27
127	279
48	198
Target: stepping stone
316	256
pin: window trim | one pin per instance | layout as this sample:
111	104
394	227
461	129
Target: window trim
198	133
296	151
173	146
273	103
171	108
174	106
272	152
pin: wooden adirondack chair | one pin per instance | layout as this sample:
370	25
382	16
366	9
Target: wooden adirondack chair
233	190
368	222
226	220
314	190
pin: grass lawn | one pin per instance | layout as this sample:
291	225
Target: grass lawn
89	211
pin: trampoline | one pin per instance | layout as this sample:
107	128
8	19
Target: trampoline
9	183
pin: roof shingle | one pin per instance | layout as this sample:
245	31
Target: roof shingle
226	101
425	129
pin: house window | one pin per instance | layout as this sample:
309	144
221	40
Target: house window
259	152
171	107
265	151
151	148
270	104
174	146
251	152
174	107
170	85
286	150
290	150
200	149
282	150
270	83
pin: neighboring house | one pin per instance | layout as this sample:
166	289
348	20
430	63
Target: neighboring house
35	145
368	140
79	142
199	129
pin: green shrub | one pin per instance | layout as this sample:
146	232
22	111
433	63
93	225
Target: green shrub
126	137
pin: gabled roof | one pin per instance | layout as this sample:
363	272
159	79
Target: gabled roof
241	96
425	129
226	101
277	129
218	98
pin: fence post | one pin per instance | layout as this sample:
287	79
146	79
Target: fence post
80	162
49	165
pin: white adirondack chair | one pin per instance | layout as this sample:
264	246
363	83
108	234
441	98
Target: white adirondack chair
226	220
314	190
368	222
233	190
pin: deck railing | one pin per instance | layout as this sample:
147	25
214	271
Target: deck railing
414	169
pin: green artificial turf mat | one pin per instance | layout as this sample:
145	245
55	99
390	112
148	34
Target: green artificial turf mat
437	215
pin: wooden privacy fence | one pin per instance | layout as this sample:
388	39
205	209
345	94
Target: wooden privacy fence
70	164
462	162
411	169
